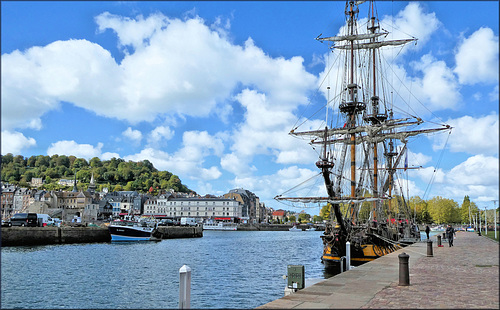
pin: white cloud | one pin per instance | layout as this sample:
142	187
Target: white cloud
471	135
438	85
109	155
134	135
66	147
133	32
15	142
165	73
477	58
476	177
159	135
188	161
412	20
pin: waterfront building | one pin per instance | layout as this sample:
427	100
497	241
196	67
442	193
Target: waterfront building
223	209
7	200
252	211
279	215
21	199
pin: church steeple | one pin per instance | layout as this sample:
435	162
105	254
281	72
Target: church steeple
92	186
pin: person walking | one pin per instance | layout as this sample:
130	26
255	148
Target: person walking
450	232
427	231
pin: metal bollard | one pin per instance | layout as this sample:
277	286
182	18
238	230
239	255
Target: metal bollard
404	271
185	287
429	248
439	240
348	255
342	259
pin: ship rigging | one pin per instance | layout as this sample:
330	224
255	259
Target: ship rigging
362	144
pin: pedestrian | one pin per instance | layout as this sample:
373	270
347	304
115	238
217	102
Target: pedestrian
450	232
427	231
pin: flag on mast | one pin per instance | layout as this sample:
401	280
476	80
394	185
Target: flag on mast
406	161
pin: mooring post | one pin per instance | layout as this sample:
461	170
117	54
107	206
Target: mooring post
348	255
404	271
342	264
439	240
185	287
429	248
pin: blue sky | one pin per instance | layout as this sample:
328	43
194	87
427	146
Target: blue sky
209	90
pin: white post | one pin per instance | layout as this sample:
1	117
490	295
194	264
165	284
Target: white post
479	218
485	222
348	255
185	287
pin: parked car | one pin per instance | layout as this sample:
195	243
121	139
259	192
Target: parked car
166	222
44	220
6	223
188	221
24	219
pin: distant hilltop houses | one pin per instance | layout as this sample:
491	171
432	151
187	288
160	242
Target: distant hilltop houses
238	205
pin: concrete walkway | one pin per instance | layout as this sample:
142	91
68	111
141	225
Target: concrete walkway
464	276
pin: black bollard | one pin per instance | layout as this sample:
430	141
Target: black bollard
439	240
429	248
404	271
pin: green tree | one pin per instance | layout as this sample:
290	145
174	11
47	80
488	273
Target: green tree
95	162
325	211
63	160
444	210
7	158
317	218
292	218
304	217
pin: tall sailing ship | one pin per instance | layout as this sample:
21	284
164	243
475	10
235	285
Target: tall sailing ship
361	145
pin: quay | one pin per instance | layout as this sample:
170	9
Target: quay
463	276
19	236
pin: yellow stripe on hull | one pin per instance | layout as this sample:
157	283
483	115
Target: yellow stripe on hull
370	252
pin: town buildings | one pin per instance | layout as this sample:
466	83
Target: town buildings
238	205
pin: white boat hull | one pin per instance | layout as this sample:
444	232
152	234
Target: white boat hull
220	226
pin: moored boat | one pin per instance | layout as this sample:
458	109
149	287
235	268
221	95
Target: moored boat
220	226
131	231
295	229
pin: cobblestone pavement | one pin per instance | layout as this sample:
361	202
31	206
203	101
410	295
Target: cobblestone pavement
463	276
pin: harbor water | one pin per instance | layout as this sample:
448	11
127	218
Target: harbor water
230	269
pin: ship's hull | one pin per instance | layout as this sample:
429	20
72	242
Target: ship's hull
220	226
367	253
130	233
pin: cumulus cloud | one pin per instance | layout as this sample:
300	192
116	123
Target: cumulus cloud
188	161
476	177
414	21
133	135
159	135
477	58
67	147
15	142
438	83
165	73
471	135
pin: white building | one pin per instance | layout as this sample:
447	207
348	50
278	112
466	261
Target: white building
199	208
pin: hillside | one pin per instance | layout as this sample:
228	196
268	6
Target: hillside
115	174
